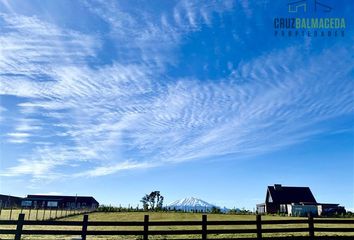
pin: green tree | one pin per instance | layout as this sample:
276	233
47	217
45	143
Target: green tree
152	201
159	201
145	202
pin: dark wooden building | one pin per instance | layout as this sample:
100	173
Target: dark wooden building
278	198
56	201
8	201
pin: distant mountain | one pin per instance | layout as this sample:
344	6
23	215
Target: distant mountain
193	204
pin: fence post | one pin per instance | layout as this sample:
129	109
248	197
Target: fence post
84	227
204	227
43	214
146	227
37	213
259	226
29	214
21	218
311	227
10	213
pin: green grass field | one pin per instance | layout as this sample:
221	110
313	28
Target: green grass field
139	216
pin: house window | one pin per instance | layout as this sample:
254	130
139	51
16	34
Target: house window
26	203
52	204
283	208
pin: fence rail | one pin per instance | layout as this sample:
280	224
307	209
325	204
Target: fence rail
145	231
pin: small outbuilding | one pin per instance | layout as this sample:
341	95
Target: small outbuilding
329	209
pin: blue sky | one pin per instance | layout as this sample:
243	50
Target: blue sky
119	98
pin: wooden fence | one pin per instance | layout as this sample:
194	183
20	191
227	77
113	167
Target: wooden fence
310	230
42	213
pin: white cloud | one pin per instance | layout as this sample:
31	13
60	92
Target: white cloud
18	137
17	140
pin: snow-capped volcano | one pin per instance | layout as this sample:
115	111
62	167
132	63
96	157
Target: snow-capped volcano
191	204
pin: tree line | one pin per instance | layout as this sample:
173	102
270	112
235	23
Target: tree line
153	201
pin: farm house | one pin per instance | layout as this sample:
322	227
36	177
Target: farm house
295	201
53	201
278	197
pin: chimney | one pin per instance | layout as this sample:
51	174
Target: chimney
277	187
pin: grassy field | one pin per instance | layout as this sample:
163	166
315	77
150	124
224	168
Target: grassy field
34	214
116	216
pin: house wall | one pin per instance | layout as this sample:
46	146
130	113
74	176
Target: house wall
51	203
302	210
261	208
272	208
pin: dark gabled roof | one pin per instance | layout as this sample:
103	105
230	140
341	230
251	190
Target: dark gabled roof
285	194
62	198
9	198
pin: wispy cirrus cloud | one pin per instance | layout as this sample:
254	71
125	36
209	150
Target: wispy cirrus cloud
151	38
28	125
2	112
24	129
32	49
18	137
95	118
111	169
246	114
